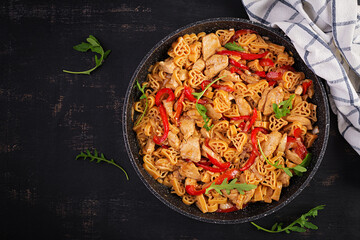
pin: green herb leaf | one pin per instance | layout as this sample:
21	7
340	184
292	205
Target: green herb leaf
298	170
95	157
94	45
241	187
202	109
142	90
303	164
299	225
82	47
283	108
234	47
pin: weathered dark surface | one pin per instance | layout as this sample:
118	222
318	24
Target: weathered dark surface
48	117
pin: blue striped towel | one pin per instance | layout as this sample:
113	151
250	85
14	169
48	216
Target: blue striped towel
326	34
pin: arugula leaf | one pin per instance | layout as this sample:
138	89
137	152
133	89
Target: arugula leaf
241	187
142	90
299	168
283	108
202	109
302	223
99	158
93	45
234	47
302	165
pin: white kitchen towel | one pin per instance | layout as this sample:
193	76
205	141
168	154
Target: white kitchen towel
326	34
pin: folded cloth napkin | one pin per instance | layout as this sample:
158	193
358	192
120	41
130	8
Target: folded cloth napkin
326	34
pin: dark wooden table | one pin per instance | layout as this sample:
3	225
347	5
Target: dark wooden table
47	117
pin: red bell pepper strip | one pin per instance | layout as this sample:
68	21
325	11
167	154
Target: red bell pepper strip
228	52
253	138
250	161
272	83
252	120
274	75
236	70
306	86
240	32
214	161
159	140
261	74
239	65
242	126
297	132
288	68
245	118
217	86
300	148
231	209
179	108
188	95
245	56
165	146
266	62
161	93
190	189
211	169
229	174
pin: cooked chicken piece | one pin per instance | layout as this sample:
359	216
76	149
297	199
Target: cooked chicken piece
282	145
293	157
188	169
194	114
204	133
190	149
250	78
215	64
262	101
173	140
187	126
276	95
210	43
284	179
190	181
168	107
233	77
244	106
268	146
149	147
212	113
302	120
168	65
199	65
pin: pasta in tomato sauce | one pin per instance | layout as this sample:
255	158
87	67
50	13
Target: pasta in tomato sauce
223	106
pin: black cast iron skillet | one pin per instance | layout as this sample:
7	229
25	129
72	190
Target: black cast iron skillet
254	210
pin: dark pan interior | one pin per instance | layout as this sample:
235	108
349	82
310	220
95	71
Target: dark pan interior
254	210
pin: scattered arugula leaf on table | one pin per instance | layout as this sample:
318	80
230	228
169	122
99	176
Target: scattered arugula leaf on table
233	47
241	187
99	158
94	45
283	108
201	108
302	222
142	90
298	168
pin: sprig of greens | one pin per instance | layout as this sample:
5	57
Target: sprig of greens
303	223
202	109
298	168
99	158
94	45
241	187
142	90
283	108
303	164
233	47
